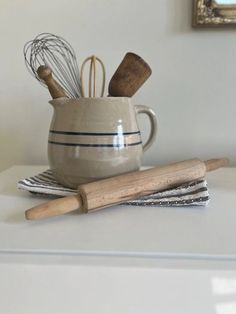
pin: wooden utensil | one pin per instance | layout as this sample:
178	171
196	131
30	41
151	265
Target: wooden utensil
129	76
92	76
45	74
125	187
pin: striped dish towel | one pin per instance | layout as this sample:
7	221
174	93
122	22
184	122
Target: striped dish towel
194	193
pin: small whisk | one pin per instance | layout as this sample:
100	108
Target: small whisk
92	84
55	52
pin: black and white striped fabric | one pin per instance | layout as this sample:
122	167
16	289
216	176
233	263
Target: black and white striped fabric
194	193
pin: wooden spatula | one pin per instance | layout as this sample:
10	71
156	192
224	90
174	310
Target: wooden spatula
129	76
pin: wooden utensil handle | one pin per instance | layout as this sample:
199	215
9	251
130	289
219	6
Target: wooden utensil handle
213	164
130	75
53	208
55	90
125	187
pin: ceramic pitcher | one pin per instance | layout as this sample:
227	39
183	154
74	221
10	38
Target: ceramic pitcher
95	138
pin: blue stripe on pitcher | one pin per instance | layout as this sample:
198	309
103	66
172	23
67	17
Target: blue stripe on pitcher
95	145
93	134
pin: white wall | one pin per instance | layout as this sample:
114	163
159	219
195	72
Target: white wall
192	88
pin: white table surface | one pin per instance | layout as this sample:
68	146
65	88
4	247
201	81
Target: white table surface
193	232
123	259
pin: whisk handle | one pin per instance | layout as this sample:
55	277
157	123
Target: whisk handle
55	90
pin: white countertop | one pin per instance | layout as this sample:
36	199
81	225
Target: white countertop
124	259
190	232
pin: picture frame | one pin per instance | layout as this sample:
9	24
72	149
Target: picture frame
213	13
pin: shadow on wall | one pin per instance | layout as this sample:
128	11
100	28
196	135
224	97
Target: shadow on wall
179	15
15	150
11	149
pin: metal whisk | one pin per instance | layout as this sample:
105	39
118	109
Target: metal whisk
56	53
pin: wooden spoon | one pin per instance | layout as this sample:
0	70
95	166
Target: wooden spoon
129	76
45	74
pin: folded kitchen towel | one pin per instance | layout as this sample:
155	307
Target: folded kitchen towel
193	193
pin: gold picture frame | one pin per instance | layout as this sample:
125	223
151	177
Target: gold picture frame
211	13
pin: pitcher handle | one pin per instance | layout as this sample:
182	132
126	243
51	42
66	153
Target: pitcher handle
153	120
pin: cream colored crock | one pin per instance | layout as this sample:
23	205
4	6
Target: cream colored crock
95	138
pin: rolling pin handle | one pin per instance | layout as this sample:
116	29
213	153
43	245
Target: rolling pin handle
56	207
213	164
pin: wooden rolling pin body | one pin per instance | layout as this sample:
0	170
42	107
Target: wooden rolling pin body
121	188
125	187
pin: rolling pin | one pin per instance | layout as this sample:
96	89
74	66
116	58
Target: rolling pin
118	189
45	74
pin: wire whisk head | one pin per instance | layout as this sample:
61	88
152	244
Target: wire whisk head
56	53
